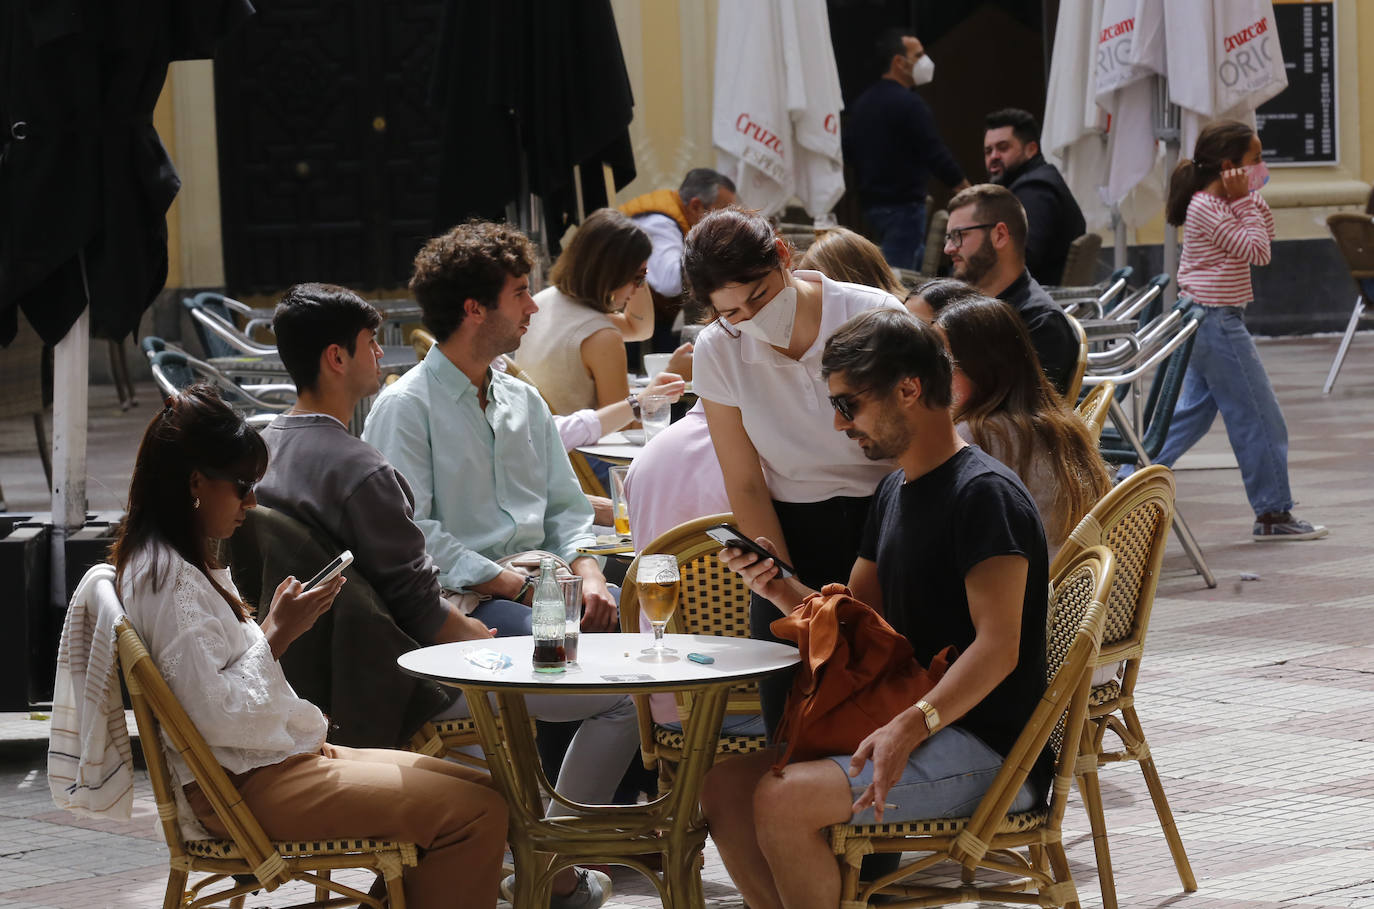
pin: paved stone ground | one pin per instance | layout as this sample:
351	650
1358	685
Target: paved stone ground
1258	696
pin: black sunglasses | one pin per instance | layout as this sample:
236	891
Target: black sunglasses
241	486
844	404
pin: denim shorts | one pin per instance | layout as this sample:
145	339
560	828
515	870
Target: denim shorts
945	776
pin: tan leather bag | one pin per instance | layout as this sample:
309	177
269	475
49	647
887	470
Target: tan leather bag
856	674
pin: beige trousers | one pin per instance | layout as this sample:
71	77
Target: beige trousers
453	813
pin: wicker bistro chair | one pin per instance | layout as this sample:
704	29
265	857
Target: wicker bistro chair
1354	236
991	838
1080	366
422	341
713	600
248	860
1081	263
1095	406
1133	522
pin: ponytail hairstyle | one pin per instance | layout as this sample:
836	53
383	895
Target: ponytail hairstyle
1219	142
196	430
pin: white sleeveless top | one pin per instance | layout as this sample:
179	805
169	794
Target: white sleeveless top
551	351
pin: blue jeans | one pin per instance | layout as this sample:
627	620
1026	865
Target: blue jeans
945	776
512	619
902	232
1225	375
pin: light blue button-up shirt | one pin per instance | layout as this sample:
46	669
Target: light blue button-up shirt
487	483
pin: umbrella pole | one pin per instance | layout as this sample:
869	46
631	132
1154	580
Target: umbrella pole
1118	238
1168	130
71	368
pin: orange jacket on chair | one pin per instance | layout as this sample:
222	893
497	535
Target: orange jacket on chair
856	674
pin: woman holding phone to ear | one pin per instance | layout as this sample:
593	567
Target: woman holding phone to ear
790	477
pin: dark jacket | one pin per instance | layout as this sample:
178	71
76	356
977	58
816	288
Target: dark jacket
1053	218
891	139
1054	340
346	663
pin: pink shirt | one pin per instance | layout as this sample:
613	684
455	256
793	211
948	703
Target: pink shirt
1221	240
674	480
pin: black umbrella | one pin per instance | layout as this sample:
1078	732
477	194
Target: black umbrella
533	82
84	180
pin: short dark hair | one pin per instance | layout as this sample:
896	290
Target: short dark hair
470	262
997	205
704	184
941	292
881	347
728	246
889	44
1023	124
309	318
605	253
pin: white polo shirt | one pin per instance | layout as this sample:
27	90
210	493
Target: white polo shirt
785	405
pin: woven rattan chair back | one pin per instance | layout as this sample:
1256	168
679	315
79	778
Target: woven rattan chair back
1354	235
1095	406
713	600
1132	521
989	839
1080	265
1080	366
247	860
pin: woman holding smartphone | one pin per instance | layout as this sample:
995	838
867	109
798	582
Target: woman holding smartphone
789	476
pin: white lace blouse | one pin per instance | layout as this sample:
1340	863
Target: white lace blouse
221	670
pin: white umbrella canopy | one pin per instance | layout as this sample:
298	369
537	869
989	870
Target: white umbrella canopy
777	104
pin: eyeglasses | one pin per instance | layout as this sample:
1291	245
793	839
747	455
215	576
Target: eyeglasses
640	279
845	404
955	237
241	486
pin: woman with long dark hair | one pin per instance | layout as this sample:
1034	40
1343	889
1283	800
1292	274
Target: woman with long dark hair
192	487
789	475
1003	403
1227	228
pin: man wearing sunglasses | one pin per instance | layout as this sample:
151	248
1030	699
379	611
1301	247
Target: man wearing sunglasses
953	553
986	242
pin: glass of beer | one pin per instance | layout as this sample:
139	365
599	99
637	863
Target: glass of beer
658	581
620	505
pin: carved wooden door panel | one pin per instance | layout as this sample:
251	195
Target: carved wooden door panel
327	151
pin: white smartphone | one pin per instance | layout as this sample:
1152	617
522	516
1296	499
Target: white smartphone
330	571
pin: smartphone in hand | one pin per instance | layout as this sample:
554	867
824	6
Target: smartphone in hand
330	571
730	536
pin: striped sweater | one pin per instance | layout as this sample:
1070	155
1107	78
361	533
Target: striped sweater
1221	240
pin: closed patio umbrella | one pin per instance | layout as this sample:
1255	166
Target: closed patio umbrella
84	188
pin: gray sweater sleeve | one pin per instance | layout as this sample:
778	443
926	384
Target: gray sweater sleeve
391	552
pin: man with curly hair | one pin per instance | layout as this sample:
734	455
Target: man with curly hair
478	447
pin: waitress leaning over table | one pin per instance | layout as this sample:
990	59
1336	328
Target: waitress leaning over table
789	475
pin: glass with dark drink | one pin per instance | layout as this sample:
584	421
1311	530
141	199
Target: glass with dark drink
658	583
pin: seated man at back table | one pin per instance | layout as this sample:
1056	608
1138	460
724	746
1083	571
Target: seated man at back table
954	553
345	489
986	241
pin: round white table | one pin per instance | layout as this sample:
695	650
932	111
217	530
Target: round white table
671	825
617	447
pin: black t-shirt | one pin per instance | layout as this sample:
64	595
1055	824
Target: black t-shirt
1054	340
927	535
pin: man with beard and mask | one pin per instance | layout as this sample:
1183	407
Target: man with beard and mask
986	242
891	139
1011	151
953	551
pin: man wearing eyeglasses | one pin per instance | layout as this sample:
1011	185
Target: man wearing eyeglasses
986	241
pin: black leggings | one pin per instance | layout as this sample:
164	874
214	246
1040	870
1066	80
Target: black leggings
823	541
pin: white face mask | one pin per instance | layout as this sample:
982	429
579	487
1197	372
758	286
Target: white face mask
773	323
923	70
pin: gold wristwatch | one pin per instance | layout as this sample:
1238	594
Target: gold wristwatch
932	716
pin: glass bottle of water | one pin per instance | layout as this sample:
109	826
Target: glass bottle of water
548	621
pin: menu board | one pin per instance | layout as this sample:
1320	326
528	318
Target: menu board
1298	126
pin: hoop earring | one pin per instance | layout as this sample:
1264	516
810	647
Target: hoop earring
195	503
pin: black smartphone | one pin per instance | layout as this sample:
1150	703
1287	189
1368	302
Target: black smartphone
730	535
330	571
